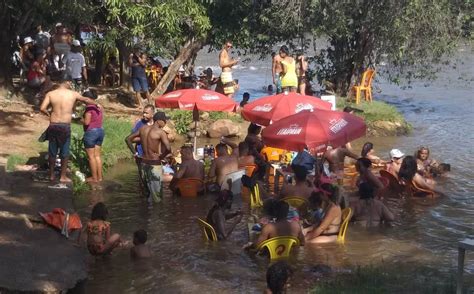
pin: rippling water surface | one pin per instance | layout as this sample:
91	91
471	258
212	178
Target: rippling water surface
425	233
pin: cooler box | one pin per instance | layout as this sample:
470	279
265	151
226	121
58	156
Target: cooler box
331	99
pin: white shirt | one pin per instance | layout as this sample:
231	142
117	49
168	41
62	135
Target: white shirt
74	63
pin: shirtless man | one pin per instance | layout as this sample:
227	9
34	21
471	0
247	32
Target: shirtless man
218	215
302	188
244	157
226	63
223	165
190	168
58	134
156	147
276	71
335	158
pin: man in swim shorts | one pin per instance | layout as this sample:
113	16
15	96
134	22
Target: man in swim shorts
276	71
226	63
62	101
156	147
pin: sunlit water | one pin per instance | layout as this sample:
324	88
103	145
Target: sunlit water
425	234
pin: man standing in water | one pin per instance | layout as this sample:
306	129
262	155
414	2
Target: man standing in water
336	156
156	147
276	71
226	63
58	134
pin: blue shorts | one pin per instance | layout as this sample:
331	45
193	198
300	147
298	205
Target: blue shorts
94	137
140	84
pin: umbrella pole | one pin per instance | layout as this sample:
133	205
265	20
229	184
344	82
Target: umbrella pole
195	139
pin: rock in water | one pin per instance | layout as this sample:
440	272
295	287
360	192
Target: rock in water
223	127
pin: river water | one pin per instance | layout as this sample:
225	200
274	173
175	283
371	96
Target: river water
424	236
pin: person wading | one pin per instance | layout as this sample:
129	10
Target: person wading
226	63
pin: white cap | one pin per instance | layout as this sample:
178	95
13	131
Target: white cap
396	153
76	43
27	40
58	25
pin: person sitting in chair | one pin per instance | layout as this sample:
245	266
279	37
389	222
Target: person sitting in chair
218	215
223	165
190	168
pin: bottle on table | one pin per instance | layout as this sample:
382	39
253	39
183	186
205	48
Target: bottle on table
211	151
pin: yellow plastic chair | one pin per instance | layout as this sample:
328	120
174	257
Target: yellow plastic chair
255	200
296	202
279	247
189	187
365	86
346	217
207	230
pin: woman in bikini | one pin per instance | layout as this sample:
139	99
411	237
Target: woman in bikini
328	229
99	239
367	176
368	152
408	172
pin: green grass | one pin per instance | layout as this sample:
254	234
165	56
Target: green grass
374	111
387	280
14	160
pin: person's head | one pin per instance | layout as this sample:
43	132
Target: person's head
273	54
148	112
300	172
278	275
408	168
254	129
140	237
423	153
40	55
243	149
362	164
99	212
315	200
246	96
186	152
90	93
160	118
366	149
281	209
330	193
28	42
224	199
396	155
269	207
270	89
228	45
113	59
366	191
76	46
59	27
284	52
221	149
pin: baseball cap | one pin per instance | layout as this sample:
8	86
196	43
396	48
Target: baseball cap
27	40
76	43
58	25
160	115
396	153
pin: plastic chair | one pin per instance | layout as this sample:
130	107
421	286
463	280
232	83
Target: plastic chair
296	202
189	187
346	217
250	169
207	230
279	247
255	200
365	85
416	191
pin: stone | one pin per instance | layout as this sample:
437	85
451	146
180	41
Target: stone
171	132
204	116
223	127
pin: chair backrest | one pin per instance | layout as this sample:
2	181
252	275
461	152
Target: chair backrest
236	179
207	230
367	78
416	190
255	200
279	247
249	169
346	217
296	202
189	187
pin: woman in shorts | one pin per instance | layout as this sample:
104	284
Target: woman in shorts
93	137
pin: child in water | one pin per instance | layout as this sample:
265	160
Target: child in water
140	250
99	239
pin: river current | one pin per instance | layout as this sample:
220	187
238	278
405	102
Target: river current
425	234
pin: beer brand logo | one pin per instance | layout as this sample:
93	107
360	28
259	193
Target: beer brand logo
263	108
207	97
335	125
303	106
291	130
173	95
188	105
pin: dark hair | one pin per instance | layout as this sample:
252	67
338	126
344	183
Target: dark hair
284	49
277	276
269	207
254	129
407	168
281	209
223	197
366	191
351	109
149	106
300	172
332	191
141	236
246	95
243	148
99	212
91	93
221	147
366	149
418	152
362	162
315	199
187	148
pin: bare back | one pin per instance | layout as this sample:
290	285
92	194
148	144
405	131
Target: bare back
192	169
151	138
225	165
276	64
62	101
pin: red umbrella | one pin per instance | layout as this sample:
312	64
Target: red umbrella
269	109
189	99
315	130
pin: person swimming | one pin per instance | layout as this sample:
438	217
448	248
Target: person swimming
140	249
99	239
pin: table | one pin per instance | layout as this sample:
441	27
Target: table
466	244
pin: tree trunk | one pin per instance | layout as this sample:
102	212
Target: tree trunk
190	47
99	62
123	61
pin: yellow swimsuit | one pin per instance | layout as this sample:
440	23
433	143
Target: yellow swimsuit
289	79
